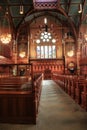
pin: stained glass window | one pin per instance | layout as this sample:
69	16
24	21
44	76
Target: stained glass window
46	51
42	51
38	51
54	51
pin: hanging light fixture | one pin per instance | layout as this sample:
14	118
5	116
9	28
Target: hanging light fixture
5	35
45	36
45	22
80	8
21	9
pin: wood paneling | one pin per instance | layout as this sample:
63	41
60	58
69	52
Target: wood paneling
48	66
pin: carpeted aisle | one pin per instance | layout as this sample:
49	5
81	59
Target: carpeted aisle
57	111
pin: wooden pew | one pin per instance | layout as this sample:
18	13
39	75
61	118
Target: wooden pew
75	86
79	89
37	89
17	107
12	82
20	106
5	80
59	79
84	96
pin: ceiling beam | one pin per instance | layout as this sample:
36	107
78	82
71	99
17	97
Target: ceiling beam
23	18
82	15
69	4
49	14
71	24
10	18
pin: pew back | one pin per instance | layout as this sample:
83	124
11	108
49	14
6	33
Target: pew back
20	105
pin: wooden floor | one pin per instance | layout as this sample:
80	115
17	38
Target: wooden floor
57	111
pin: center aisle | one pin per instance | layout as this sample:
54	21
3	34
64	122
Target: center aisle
58	111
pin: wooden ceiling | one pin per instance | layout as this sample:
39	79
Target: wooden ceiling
64	11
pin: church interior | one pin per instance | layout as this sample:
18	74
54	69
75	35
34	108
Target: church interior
42	43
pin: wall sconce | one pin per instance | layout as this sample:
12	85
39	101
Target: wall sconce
85	36
22	54
21	9
80	8
70	53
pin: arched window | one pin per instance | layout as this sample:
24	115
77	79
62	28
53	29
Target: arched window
46	45
46	51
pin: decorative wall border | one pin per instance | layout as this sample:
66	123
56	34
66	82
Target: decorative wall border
45	5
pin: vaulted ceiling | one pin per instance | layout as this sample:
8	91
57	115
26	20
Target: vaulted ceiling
65	11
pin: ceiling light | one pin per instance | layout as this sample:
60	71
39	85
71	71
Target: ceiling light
21	9
44	40
45	36
80	8
6	11
45	20
5	38
48	40
49	34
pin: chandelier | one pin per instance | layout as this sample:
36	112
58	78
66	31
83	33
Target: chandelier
46	36
5	35
5	38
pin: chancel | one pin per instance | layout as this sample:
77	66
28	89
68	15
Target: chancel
43	64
